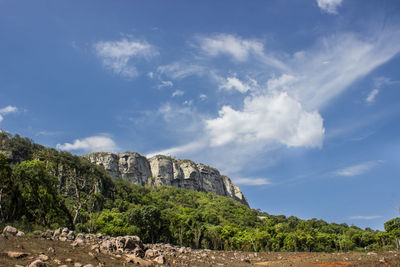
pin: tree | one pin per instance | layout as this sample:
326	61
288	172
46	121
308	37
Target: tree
7	190
42	202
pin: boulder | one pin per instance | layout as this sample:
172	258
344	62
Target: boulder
160	259
10	230
19	234
16	254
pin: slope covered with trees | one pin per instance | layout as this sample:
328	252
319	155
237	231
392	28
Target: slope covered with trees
42	188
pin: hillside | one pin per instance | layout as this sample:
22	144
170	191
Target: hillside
44	188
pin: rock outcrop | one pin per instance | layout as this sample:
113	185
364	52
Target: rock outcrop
162	170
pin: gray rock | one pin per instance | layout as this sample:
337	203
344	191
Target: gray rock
10	230
162	170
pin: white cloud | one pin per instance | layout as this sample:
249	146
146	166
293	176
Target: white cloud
235	83
329	6
165	84
371	96
178	93
267	118
231	45
364	217
91	144
8	109
203	97
238	48
116	55
285	110
251	181
358	169
350	57
179	70
150	75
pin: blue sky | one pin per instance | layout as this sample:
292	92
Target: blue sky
297	101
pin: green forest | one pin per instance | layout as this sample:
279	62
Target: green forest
43	188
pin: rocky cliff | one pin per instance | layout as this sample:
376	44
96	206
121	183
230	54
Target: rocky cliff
162	170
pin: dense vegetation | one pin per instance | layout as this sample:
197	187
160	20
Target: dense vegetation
41	187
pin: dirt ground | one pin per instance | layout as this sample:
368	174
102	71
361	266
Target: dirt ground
62	253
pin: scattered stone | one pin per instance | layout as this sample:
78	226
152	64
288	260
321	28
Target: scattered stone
382	260
64	265
10	230
136	260
37	263
43	257
16	255
88	265
372	253
20	233
51	250
160	259
77	264
69	260
57	261
150	253
17	265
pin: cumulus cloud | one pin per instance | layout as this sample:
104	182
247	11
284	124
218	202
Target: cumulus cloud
117	55
233	83
329	6
371	96
364	217
91	144
282	110
251	181
358	169
177	93
273	117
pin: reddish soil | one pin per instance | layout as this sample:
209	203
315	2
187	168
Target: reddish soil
65	254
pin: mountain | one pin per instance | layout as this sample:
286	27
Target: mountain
162	170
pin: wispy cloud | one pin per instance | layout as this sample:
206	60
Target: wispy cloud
91	144
203	97
251	181
329	6
165	84
227	44
371	96
282	109
117	55
178	93
237	48
358	169
180	70
364	217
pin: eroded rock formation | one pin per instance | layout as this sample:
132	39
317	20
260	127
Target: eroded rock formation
162	170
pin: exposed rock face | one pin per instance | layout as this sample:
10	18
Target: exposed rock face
162	170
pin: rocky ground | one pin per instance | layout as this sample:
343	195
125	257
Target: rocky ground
63	248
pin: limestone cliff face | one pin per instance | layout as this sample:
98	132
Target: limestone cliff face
162	170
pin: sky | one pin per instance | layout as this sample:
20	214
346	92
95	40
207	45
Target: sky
296	101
